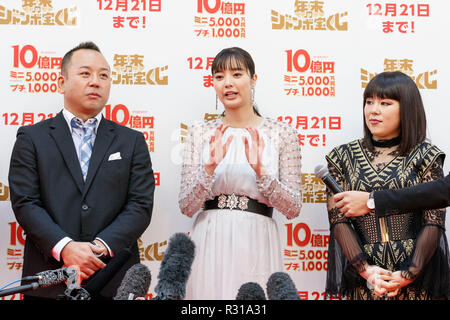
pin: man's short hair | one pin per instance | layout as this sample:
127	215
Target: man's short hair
68	56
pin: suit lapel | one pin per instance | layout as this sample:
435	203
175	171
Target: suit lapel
105	135
60	132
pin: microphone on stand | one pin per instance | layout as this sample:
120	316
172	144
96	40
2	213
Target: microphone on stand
99	280
135	283
175	268
322	172
52	277
251	291
281	287
44	279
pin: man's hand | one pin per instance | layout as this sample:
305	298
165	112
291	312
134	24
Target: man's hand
352	203
81	255
101	246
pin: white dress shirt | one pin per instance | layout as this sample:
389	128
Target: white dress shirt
77	140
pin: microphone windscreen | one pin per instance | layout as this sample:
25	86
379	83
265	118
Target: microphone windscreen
175	267
102	277
281	287
251	291
136	282
320	171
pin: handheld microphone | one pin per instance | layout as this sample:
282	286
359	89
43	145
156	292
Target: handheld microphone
135	283
322	172
281	287
175	268
251	291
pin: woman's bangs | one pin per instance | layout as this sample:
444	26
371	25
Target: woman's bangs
383	88
227	62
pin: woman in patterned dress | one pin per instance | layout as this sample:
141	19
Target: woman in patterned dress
406	252
235	170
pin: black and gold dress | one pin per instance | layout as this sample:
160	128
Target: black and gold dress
413	242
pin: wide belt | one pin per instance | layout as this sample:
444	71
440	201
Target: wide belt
237	202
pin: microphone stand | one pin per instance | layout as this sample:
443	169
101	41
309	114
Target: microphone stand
70	276
19	289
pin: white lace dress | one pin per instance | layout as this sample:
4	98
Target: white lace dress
233	246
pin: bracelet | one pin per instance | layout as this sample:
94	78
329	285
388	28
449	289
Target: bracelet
408	275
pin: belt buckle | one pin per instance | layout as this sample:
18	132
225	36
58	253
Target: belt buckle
243	203
232	201
222	201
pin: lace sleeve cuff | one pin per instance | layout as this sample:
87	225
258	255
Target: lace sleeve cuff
196	191
283	189
266	185
285	200
359	262
206	180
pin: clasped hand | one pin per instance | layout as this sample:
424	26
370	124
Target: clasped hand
383	282
81	256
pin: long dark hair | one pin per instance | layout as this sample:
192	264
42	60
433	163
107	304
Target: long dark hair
234	58
400	87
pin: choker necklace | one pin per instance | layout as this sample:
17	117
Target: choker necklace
386	143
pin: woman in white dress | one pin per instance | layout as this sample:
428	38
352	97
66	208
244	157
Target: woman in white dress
236	169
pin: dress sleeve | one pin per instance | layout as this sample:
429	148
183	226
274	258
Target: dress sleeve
285	193
340	226
346	258
433	228
196	183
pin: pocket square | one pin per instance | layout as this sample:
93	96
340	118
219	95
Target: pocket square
114	156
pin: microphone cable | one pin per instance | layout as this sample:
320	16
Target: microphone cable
29	278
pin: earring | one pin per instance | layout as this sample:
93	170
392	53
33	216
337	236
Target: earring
216	101
253	96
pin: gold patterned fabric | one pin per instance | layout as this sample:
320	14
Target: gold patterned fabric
408	241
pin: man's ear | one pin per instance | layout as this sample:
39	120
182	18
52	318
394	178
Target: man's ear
61	84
